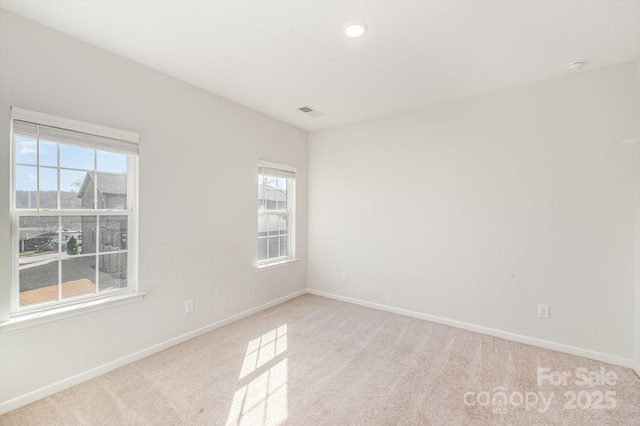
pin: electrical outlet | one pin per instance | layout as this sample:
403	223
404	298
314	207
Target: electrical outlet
345	277
543	311
188	306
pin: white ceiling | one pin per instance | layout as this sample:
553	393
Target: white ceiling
278	55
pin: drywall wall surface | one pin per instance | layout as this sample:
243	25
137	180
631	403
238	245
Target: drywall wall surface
480	209
198	222
636	357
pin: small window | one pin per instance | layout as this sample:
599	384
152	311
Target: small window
276	213
73	211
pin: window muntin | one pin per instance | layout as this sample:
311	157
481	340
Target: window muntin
73	212
276	190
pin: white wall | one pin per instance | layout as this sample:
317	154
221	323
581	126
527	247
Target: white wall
198	191
637	295
480	209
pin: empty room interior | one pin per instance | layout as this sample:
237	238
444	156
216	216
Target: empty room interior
242	212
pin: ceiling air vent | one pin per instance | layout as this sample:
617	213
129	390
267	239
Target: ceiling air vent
310	111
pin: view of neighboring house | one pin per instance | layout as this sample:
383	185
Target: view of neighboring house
111	194
110	191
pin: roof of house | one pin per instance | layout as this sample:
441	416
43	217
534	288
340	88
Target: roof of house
108	183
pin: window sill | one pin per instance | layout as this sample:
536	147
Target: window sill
266	266
54	314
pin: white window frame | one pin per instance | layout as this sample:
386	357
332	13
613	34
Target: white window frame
119	141
289	172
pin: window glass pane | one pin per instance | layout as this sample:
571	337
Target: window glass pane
282	200
263	225
274	192
78	276
38	282
270	181
284	249
113	271
274	224
26	150
284	224
37	239
111	162
72	235
270	198
38	259
262	248
273	247
88	234
26	185
261	198
76	157
26	199
112	190
48	188
26	178
278	224
86	192
70	183
48	154
113	233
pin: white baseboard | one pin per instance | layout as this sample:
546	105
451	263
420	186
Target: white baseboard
45	391
586	353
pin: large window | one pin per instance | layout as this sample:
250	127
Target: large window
276	218
73	211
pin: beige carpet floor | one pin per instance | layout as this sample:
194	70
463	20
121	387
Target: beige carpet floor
316	361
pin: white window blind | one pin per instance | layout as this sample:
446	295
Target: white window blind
276	170
61	129
72	137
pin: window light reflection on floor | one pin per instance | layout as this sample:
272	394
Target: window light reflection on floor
263	400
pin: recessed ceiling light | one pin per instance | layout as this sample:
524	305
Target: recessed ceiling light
575	66
355	29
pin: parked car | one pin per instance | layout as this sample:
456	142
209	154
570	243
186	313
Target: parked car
53	246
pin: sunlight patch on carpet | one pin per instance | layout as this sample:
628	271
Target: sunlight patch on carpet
264	349
262	397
